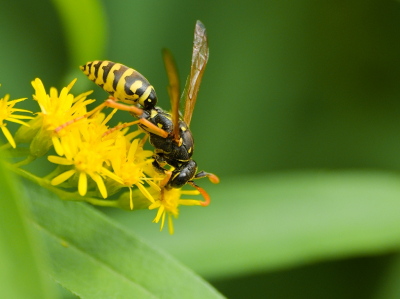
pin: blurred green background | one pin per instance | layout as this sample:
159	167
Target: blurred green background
301	97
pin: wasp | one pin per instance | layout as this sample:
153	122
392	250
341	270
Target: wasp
169	133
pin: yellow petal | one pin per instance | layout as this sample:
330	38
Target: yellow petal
100	184
39	89
190	192
57	146
170	225
111	175
83	95
146	154
66	144
21	110
189	202
133	134
162	221
63	177
132	150
130	197
71	84
159	213
109	116
21	116
82	185
8	135
59	160
155	205
145	192
153	185
17	121
16	101
53	92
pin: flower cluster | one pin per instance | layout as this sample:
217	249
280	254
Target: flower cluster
7	114
92	158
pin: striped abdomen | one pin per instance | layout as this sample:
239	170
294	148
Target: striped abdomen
121	82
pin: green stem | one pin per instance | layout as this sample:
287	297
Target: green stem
5	146
26	161
64	195
52	174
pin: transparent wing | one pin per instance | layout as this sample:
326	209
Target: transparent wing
199	61
173	89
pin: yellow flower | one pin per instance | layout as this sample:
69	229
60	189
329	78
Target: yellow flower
86	152
59	114
168	202
128	161
6	113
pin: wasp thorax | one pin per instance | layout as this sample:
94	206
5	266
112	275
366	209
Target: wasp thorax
149	98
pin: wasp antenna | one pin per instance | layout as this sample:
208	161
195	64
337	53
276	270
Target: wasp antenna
203	192
212	177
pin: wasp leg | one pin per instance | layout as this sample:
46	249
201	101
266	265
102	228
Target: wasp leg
203	192
151	128
157	167
165	181
138	112
112	103
68	123
158	159
121	127
143	141
212	177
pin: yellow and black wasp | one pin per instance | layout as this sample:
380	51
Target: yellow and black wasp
168	132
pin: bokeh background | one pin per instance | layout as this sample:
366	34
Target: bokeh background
298	113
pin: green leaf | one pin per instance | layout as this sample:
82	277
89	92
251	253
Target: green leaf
96	258
390	283
20	276
268	222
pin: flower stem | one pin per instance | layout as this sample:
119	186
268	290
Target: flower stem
52	174
26	161
64	195
5	146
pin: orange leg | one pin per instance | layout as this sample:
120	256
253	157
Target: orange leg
68	123
111	102
151	128
165	181
121	127
203	192
143	141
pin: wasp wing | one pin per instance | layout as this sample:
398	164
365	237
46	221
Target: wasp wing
173	89
199	61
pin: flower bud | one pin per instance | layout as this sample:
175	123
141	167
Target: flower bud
41	143
26	134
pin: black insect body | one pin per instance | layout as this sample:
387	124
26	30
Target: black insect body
168	133
178	155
